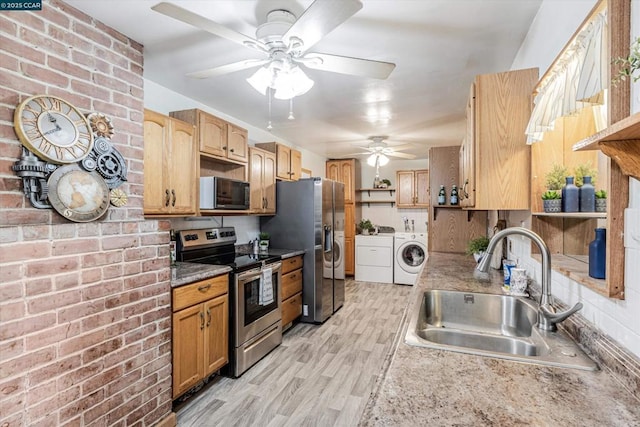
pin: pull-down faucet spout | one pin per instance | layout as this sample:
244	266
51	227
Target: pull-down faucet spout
547	317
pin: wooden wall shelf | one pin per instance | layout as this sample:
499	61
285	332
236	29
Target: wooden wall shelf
584	215
376	202
621	142
369	190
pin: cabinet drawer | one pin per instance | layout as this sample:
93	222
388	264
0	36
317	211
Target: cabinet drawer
291	283
198	292
291	309
291	264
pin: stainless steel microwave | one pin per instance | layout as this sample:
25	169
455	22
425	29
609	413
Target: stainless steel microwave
223	193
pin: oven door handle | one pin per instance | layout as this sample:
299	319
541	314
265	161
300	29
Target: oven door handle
249	274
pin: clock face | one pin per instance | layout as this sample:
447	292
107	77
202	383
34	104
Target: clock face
53	129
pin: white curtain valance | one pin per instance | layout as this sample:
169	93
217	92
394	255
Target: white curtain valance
577	78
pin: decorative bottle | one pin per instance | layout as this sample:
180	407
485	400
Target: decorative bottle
454	195
587	195
570	196
597	255
442	196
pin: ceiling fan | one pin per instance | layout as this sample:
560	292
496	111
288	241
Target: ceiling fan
285	41
378	149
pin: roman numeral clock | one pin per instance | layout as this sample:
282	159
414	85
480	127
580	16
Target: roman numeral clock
66	159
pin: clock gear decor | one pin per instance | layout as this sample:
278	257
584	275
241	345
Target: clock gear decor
68	162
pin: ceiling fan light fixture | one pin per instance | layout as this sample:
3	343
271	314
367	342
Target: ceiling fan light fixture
261	79
377	159
291	83
383	160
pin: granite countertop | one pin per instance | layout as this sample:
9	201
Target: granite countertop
422	386
184	273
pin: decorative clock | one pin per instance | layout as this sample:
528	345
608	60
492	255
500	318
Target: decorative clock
53	129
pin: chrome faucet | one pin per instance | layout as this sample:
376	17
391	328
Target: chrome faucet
547	317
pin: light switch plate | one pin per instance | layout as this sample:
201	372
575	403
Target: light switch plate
632	228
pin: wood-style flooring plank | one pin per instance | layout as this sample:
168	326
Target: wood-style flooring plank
321	375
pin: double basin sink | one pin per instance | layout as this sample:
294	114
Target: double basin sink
500	326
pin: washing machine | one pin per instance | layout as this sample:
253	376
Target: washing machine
410	254
337	263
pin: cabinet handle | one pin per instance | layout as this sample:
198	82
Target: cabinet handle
201	320
204	288
167	197
231	150
173	192
224	148
208	317
465	195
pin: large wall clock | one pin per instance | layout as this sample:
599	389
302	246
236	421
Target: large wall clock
53	129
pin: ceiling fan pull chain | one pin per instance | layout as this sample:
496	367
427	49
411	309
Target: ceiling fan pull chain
269	126
291	117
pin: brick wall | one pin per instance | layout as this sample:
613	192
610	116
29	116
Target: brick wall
84	308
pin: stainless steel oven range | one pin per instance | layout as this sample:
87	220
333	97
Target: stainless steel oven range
254	293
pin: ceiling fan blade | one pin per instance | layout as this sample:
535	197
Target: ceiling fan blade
401	147
229	68
401	155
188	17
320	19
347	65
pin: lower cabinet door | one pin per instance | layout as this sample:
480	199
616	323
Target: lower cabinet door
291	309
188	342
216	332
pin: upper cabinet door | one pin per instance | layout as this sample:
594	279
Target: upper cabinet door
283	155
296	164
156	185
347	178
212	134
405	191
237	143
182	164
422	188
333	170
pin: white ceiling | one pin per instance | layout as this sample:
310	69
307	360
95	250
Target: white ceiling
438	46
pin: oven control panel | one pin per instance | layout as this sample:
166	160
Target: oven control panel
201	238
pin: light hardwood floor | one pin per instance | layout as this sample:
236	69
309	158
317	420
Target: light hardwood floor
321	375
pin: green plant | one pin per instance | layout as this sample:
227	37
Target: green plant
365	224
264	235
551	195
477	245
582	170
601	194
386	181
556	177
628	65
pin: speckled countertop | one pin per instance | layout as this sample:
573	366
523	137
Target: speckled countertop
184	273
427	387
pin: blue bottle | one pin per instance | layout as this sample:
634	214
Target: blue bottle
598	255
570	196
587	196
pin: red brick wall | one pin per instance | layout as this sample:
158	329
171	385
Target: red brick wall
84	308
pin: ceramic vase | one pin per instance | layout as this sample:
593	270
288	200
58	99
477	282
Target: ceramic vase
587	196
570	196
598	255
601	205
552	205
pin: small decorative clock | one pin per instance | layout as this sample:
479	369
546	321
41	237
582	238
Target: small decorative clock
53	129
78	195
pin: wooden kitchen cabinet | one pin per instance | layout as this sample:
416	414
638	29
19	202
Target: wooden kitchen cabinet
450	227
200	331
262	167
169	166
494	157
288	160
217	137
291	289
347	171
413	188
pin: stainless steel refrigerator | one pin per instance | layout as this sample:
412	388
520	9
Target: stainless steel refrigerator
310	217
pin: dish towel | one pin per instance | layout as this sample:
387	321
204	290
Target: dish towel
266	287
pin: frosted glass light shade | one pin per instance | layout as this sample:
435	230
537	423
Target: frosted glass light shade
380	158
287	82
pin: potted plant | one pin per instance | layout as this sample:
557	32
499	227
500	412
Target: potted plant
365	226
477	246
556	177
552	201
264	241
582	170
629	65
601	201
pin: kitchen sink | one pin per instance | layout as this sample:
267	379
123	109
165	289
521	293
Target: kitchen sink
500	326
